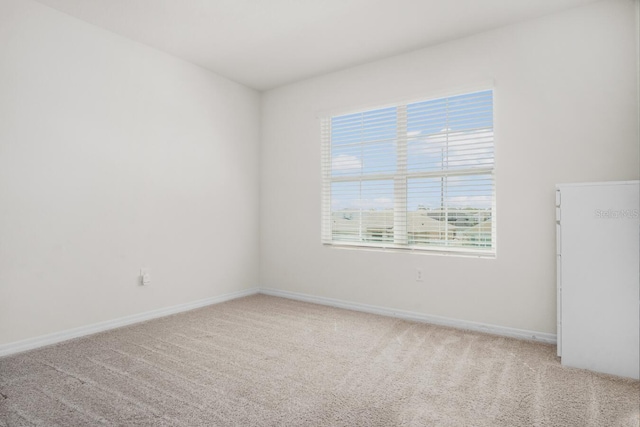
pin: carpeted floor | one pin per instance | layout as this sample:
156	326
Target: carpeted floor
266	361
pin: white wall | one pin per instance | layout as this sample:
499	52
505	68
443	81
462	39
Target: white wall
115	156
566	111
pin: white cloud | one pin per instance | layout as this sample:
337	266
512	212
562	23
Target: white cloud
345	163
460	148
383	203
366	204
483	201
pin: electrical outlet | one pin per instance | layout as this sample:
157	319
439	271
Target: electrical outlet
145	277
418	275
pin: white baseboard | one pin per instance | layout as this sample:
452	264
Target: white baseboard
56	337
419	317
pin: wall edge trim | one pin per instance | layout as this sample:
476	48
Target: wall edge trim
524	334
81	331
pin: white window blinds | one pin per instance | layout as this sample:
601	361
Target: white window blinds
413	176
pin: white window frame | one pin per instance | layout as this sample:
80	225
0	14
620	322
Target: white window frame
400	179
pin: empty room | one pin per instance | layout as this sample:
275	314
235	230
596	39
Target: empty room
319	213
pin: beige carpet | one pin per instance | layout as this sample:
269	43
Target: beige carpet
266	361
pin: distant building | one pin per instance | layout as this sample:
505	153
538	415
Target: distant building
478	235
473	228
422	228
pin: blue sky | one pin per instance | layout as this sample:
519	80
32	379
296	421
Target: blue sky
454	133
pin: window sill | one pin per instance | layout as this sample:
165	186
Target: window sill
458	252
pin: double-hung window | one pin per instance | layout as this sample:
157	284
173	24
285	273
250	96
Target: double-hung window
412	176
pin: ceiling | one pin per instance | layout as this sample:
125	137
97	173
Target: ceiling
268	43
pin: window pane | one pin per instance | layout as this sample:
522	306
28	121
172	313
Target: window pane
450	211
469	199
451	133
362	211
426	217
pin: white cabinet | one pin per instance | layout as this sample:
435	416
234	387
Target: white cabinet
598	271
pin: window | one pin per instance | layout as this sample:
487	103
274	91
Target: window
413	176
